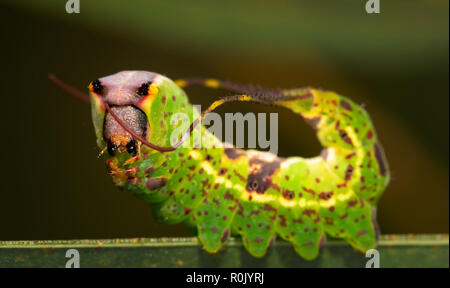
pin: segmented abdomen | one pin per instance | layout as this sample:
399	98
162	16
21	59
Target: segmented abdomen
258	195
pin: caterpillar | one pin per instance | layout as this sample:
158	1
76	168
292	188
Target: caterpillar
222	190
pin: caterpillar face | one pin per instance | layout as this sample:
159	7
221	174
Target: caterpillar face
126	93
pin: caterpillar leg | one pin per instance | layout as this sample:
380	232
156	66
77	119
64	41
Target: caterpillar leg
352	172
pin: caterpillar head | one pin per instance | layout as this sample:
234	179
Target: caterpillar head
139	100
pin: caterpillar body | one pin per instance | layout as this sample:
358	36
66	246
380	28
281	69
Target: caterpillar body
224	190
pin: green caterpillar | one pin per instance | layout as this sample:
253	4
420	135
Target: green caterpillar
222	191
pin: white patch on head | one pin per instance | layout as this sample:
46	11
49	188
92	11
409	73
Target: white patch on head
121	88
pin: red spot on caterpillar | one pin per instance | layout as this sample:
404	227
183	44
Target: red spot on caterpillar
225	236
222	171
253	212
299	220
311	191
352	203
341	185
268	207
347	106
344	216
360	233
369	134
288	194
345	137
239	175
283	220
317	180
350	155
346	115
286	177
310	243
361	201
336	126
155	183
325	195
214	229
349	172
308	212
331	208
329	221
149	171
187	211
258	240
228	195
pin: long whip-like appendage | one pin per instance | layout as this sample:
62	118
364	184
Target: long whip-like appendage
85	98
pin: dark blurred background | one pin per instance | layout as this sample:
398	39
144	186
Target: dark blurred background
396	63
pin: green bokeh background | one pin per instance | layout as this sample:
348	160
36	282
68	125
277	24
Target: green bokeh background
396	63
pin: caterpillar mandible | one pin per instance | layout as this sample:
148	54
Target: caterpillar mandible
224	190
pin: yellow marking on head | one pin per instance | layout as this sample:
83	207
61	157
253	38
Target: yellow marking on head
152	90
212	83
180	83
